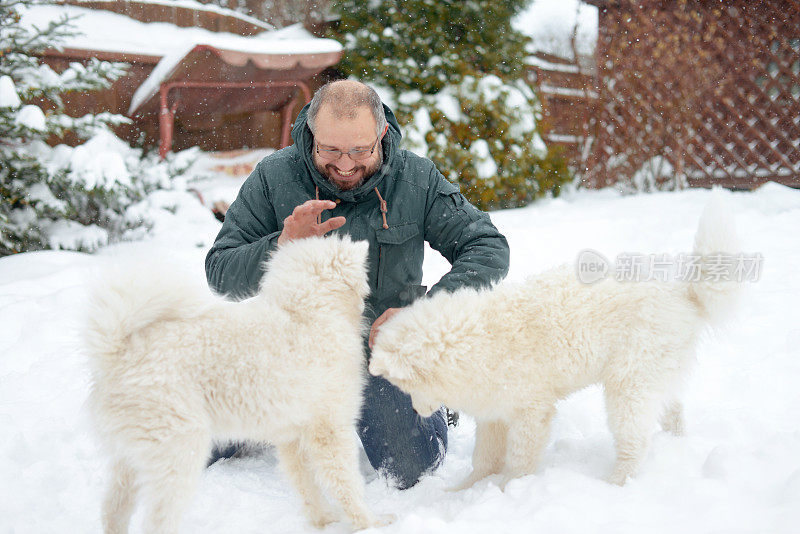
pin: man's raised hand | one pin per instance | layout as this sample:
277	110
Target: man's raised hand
303	221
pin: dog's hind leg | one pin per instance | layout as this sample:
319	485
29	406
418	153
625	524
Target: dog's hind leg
332	451
120	497
672	418
489	455
174	466
632	413
527	437
296	465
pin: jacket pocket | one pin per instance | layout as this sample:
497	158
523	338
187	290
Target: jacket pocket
399	259
396	234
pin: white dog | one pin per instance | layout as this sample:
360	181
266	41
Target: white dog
507	354
175	367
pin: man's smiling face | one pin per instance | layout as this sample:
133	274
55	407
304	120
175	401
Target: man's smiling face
333	132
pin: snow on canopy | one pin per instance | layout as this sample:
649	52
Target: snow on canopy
288	49
197	6
111	32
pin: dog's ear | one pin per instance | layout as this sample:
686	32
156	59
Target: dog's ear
347	255
348	264
391	366
436	346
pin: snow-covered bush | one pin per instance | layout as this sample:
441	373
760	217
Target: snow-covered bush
90	194
655	174
454	75
483	135
44	190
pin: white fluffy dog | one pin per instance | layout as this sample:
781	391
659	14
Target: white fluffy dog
175	367
507	354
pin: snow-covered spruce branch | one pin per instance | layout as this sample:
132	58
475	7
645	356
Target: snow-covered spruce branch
91	77
88	125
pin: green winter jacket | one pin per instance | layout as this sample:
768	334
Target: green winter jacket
421	205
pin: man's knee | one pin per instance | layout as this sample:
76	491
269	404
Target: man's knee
404	466
399	443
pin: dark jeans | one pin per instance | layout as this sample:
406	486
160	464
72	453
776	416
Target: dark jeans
399	443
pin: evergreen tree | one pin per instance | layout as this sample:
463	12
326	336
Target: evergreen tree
426	45
454	72
38	190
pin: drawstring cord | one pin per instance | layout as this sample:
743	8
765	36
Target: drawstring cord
383	204
384	208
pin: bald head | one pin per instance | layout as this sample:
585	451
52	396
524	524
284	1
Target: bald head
344	99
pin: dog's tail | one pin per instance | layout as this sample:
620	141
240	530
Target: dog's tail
125	300
715	286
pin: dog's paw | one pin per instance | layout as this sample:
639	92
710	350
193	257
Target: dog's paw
672	421
456	489
503	482
384	519
674	425
465	484
618	478
374	521
323	518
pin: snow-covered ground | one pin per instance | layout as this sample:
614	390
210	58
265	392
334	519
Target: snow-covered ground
736	471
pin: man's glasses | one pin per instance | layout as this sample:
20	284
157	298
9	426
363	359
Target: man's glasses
356	154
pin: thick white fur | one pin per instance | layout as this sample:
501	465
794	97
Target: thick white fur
175	367
507	354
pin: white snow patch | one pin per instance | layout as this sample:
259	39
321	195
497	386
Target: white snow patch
71	235
39	192
449	105
100	162
8	93
551	23
484	164
32	117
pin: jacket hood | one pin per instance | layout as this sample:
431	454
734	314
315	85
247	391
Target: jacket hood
304	140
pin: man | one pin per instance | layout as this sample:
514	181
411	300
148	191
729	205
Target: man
347	172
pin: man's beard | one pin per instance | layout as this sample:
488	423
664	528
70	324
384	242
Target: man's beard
326	170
